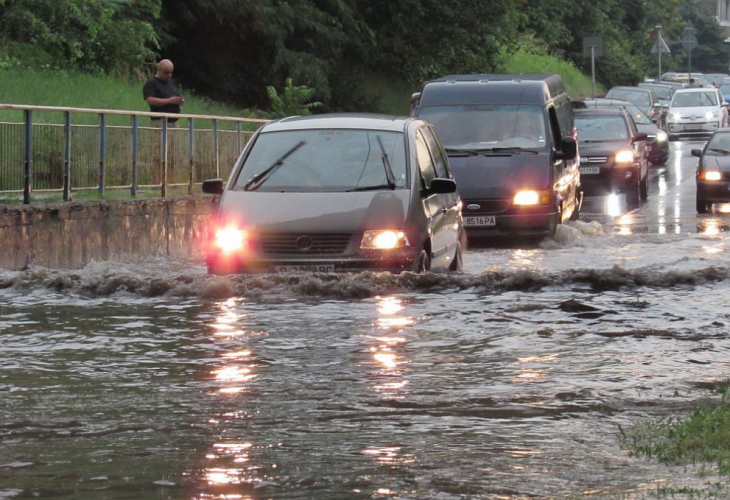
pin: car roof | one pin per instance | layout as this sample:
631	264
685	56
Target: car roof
602	111
506	88
341	120
629	87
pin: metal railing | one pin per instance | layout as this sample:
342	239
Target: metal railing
64	156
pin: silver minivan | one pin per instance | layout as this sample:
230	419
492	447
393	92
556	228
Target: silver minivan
338	192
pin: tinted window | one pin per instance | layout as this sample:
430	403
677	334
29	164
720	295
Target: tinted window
425	163
725	88
601	128
487	126
637	97
328	160
694	99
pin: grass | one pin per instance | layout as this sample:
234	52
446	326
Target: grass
701	438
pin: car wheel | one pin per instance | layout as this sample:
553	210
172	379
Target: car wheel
423	262
702	206
644	188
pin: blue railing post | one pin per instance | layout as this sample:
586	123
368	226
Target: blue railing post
216	151
135	155
102	153
28	178
191	183
163	187
67	156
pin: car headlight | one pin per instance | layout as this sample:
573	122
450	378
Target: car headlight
674	116
231	239
662	136
711	175
625	156
712	115
384	239
531	197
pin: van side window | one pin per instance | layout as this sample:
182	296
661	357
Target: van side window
436	153
555	129
425	163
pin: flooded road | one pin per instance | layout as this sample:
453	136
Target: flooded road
513	380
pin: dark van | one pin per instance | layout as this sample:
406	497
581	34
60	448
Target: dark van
512	146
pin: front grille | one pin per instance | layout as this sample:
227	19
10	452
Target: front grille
304	244
485	206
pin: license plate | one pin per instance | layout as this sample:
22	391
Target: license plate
693	127
486	220
308	268
590	170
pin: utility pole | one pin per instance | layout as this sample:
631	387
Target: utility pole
659	41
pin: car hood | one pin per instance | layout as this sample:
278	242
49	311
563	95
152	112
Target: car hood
315	212
716	162
499	176
608	148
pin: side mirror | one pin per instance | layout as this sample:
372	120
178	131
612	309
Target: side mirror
442	186
697	152
569	151
213	186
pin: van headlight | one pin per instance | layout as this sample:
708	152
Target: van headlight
662	136
231	239
531	197
384	239
625	156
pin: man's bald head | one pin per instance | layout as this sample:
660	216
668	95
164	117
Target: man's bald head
164	69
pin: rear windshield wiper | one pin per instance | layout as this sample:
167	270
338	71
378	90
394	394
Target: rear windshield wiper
258	179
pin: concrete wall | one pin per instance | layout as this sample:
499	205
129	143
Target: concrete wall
70	235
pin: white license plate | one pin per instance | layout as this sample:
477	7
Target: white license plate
590	170
486	220
309	268
693	127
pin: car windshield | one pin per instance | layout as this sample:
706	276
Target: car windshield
718	145
694	99
325	160
638	115
600	128
637	97
487	126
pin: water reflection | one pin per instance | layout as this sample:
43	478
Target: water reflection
388	350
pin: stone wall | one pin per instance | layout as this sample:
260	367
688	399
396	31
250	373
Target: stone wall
70	235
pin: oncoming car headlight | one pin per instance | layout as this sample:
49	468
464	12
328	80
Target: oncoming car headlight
531	197
712	115
674	116
662	136
384	239
711	175
231	239
625	156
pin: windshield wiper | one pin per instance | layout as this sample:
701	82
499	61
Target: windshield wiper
386	165
512	149
370	188
472	152
258	179
723	151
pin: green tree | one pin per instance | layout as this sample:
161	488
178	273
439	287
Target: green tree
293	100
712	54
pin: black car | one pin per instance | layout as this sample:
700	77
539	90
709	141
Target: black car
644	98
657	140
713	171
613	153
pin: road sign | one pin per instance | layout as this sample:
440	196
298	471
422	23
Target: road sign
660	46
689	41
592	46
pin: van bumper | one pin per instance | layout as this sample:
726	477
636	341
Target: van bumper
518	225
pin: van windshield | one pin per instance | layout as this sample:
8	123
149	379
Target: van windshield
332	160
487	126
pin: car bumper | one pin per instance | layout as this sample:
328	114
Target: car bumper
394	261
691	129
519	224
714	192
609	179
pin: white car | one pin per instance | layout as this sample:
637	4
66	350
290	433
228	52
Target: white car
696	112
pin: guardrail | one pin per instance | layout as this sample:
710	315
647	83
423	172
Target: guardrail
64	156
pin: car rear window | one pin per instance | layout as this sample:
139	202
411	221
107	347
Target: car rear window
636	96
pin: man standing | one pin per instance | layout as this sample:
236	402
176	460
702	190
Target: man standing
162	94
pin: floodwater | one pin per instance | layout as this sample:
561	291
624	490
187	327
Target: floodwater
513	380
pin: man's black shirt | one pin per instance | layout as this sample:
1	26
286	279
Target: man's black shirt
154	87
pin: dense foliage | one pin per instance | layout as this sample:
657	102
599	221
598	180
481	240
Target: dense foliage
238	51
